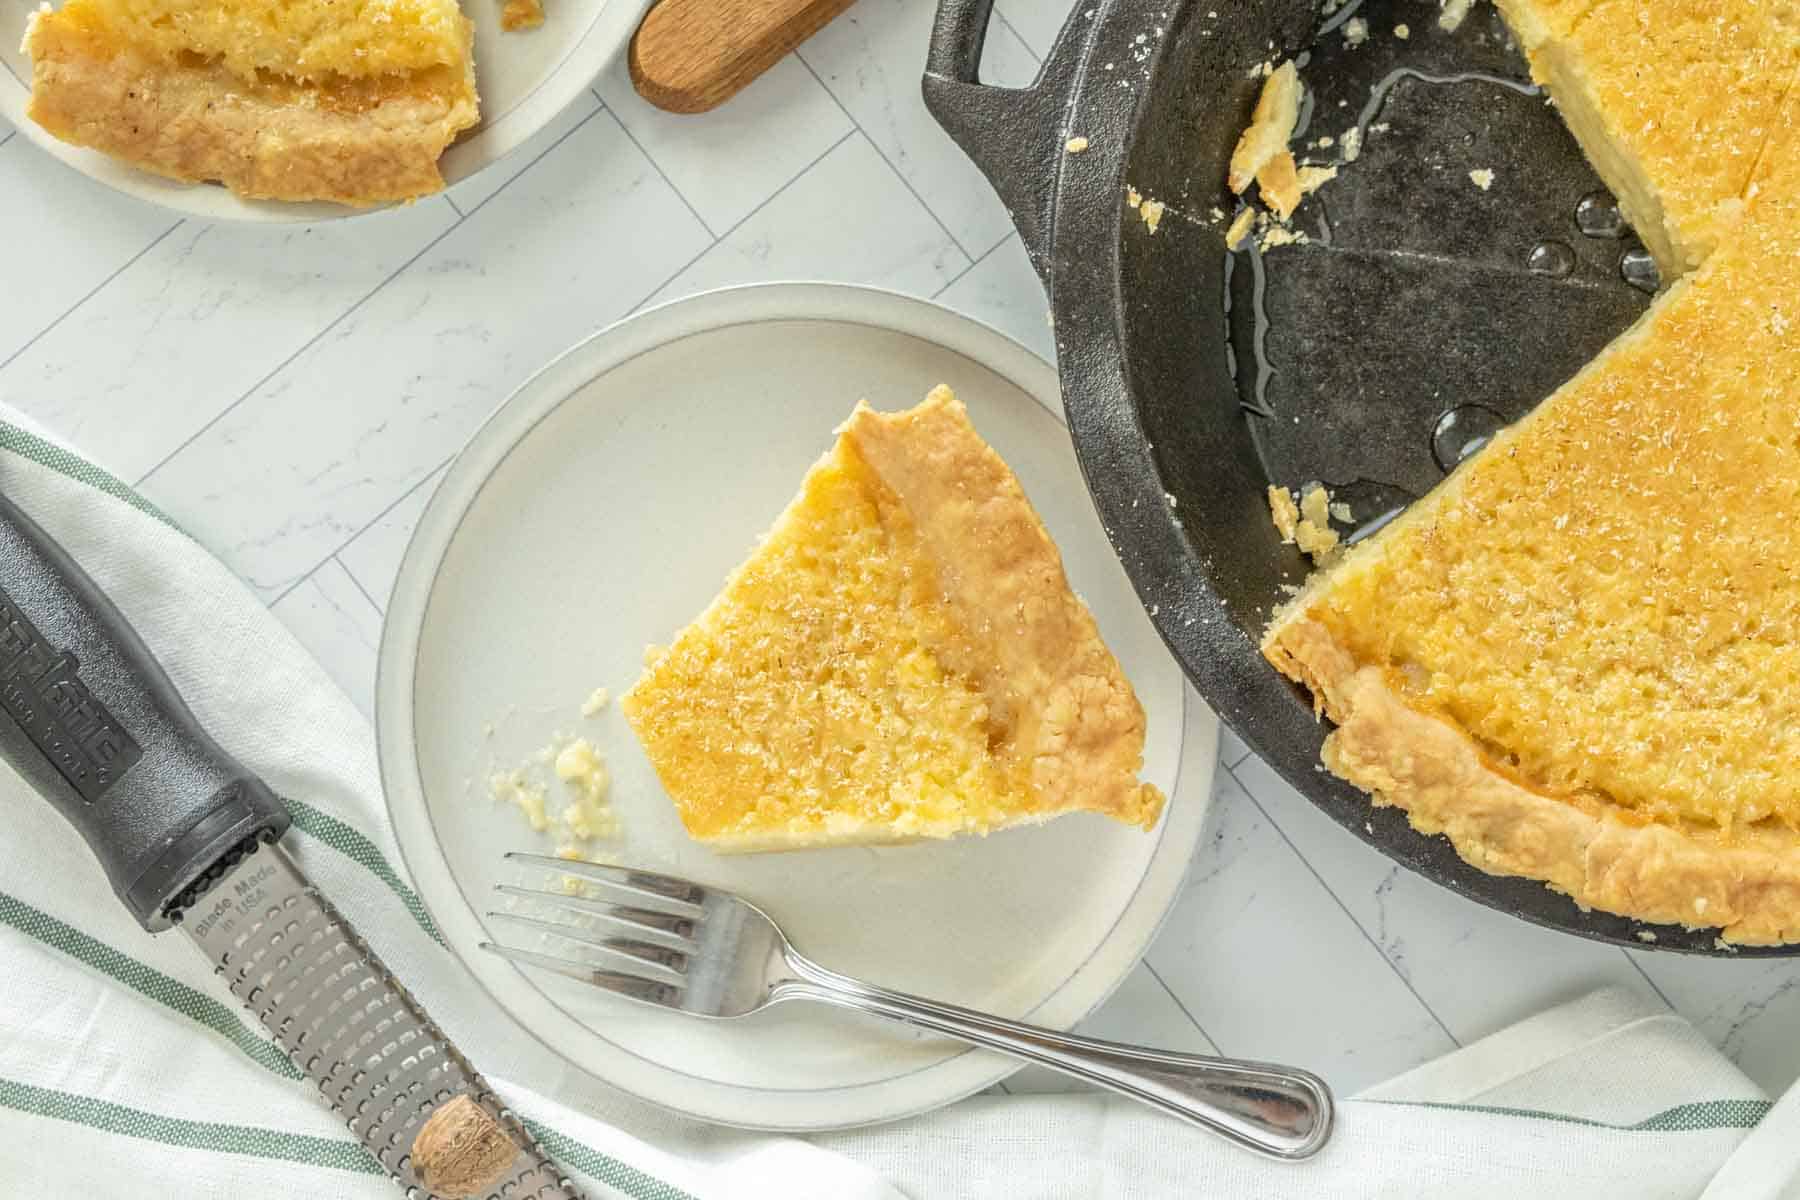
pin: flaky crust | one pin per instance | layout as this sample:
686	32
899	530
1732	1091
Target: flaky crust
1600	855
1077	721
200	123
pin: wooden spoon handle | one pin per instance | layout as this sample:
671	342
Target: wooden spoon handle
693	55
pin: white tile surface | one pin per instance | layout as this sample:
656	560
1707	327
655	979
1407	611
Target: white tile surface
66	236
871	59
188	328
332	618
1003	290
373	556
1251	943
728	162
1035	21
1291	941
389	393
1232	750
473	193
1477	970
848	218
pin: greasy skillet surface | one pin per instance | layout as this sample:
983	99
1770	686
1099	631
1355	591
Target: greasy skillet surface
1423	301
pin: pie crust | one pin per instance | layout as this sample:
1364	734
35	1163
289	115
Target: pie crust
1597	854
352	141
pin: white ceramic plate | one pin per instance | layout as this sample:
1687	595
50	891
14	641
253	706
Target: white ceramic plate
524	78
600	509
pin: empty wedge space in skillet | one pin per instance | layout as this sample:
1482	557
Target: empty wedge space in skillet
283	101
1672	102
901	658
1577	656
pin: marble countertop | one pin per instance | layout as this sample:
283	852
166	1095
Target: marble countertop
291	395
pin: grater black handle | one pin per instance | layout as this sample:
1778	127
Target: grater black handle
90	720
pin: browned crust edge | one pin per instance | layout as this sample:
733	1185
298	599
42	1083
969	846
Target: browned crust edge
1080	725
201	124
1596	854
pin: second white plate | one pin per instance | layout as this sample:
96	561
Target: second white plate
524	78
599	510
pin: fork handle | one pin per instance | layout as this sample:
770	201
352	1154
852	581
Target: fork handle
1279	1111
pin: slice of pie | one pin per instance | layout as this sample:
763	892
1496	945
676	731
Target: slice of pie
1671	100
1579	657
901	658
344	100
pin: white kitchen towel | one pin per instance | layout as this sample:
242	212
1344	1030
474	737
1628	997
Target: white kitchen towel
127	1070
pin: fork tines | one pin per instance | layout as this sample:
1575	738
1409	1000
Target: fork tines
650	947
646	884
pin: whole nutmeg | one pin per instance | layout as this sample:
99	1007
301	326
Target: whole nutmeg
461	1150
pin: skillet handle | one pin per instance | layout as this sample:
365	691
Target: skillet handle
1013	134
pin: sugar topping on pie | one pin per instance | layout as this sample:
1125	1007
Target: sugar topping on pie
900	658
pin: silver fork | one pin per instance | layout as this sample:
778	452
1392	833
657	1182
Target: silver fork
699	950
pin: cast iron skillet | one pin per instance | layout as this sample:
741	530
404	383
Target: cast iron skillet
1413	321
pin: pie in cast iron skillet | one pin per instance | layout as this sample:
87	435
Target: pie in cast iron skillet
1579	657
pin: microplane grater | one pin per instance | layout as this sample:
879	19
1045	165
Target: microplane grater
344	1021
188	837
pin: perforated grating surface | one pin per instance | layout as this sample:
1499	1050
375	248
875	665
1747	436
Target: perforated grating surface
345	1022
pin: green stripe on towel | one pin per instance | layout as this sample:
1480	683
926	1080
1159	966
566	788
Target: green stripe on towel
48	454
1696	1117
146	981
346	840
194	1135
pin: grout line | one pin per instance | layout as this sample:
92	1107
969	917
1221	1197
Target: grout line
295	586
373	521
1003	1088
535	160
34	339
380	609
882	155
985	255
454	206
316	338
1241	759
1025	45
9	137
1660	994
1335	899
1157	975
657	167
746	218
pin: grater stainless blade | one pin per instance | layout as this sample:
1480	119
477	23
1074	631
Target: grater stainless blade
345	1021
187	836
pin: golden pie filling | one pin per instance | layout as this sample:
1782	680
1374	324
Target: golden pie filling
1579	657
317	100
1672	101
901	658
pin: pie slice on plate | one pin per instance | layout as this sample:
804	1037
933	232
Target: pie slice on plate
343	100
1579	657
900	658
